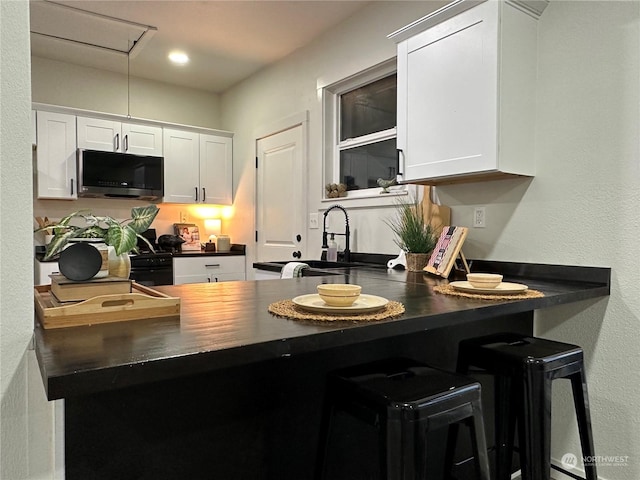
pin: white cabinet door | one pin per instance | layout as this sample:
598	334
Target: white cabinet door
208	269
113	136
197	168
142	139
98	134
458	111
56	155
216	177
181	166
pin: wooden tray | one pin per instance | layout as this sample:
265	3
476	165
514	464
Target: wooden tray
143	302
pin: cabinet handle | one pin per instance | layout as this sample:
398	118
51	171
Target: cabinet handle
204	194
72	186
208	280
212	265
126	143
216	279
399	152
196	194
117	142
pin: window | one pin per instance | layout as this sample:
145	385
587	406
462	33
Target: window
360	130
367	141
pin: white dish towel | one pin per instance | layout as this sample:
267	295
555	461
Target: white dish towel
293	270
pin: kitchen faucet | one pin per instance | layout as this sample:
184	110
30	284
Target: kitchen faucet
347	252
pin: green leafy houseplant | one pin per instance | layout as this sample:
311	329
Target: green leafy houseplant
413	233
122	235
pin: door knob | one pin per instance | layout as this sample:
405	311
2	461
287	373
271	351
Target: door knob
297	254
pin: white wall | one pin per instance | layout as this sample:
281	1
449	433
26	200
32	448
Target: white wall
290	87
65	84
17	449
581	208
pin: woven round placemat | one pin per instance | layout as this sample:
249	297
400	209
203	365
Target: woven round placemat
287	309
449	290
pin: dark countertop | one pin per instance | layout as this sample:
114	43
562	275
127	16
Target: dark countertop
236	249
202	253
223	325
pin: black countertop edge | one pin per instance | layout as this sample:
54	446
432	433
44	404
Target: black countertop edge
542	271
111	378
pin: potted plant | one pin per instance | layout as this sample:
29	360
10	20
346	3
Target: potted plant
414	235
120	236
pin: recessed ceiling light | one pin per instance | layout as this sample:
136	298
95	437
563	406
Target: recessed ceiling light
179	57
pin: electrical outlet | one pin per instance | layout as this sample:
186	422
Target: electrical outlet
479	217
313	220
184	217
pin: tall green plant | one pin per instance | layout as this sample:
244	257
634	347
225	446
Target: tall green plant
413	234
121	235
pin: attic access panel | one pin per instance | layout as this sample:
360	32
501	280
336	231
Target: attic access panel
56	25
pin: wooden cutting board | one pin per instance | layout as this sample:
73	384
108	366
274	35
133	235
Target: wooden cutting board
437	215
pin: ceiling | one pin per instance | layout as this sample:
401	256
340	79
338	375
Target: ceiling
227	41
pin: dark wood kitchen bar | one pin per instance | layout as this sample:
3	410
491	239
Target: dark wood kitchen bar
228	390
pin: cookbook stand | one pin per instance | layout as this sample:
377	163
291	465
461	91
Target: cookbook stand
447	251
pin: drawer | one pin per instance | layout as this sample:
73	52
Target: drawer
208	269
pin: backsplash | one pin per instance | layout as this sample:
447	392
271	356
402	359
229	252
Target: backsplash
121	209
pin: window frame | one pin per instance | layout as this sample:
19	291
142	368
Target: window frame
331	120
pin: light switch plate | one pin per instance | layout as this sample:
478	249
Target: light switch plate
184	217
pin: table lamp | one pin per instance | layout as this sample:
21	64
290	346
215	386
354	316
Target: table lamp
212	227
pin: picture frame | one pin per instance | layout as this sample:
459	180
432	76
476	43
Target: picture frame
446	251
190	233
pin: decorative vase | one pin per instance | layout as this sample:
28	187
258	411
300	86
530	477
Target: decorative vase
417	261
119	265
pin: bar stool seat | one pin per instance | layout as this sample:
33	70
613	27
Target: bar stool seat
404	400
524	368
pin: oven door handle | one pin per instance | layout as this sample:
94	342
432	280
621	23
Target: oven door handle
212	265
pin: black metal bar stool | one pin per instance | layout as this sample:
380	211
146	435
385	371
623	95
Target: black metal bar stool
404	400
524	368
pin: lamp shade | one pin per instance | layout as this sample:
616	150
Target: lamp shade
213	226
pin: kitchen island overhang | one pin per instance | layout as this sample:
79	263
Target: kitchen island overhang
227	325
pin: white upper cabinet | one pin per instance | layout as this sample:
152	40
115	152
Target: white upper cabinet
197	168
181	166
216	176
466	94
56	156
114	136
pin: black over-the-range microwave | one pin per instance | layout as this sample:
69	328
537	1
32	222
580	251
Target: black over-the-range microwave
119	175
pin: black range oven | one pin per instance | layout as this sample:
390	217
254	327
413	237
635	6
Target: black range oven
152	268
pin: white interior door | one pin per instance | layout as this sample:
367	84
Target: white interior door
281	196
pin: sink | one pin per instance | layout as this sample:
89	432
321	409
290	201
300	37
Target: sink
324	265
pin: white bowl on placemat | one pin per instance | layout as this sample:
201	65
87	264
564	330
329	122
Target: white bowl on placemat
339	294
484	280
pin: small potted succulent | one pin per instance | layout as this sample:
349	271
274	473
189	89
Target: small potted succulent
120	236
414	235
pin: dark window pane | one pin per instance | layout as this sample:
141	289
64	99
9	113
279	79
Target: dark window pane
368	109
360	167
